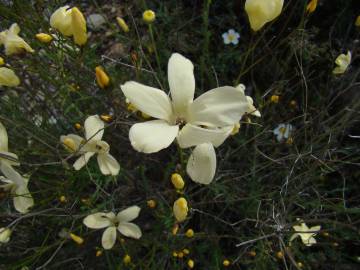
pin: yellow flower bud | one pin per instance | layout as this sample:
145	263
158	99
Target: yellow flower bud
175	254
186	251
149	16
44	38
261	12
177	181
151	204
300	264
293	103
2	61
122	24
77	126
180	254
279	255
106	117
290	141
357	21
175	229
77	239
252	253
127	259
79	26
311	6
326	234
226	263
102	78
70	144
5	234
180	209
62	199
98	253
8	77
274	99
191	263
189	233
235	129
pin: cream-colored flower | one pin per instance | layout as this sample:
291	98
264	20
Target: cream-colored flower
306	234
70	22
18	187
342	62
8	77
7	159
112	222
208	118
91	145
12	42
5	234
180	209
261	12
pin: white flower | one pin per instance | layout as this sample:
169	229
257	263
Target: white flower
251	108
6	158
342	62
5	234
283	131
306	234
12	42
111	222
207	119
94	130
231	36
18	187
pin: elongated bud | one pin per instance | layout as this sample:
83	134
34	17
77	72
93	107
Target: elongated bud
102	78
122	24
44	38
177	181
180	209
77	239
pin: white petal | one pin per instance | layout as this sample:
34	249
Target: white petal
13	175
98	220
3	139
130	230
108	164
109	237
310	241
9	158
219	107
152	136
94	128
201	165
23	199
75	142
191	135
149	100
182	82
82	160
128	214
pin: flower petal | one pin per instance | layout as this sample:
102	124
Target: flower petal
98	220
108	164
130	230
78	26
180	209
152	136
23	199
181	81
12	175
109	237
61	20
94	128
3	139
149	100
82	160
219	107
201	165
128	214
191	135
8	77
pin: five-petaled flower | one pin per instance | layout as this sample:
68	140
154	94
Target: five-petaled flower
12	42
94	130
342	62
111	222
231	36
207	119
283	132
261	12
306	234
70	22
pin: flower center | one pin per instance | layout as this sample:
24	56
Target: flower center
180	121
231	37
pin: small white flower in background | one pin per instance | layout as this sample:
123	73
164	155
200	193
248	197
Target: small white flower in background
342	62
283	132
94	130
231	36
52	120
207	119
12	42
306	234
18	187
5	234
7	159
111	222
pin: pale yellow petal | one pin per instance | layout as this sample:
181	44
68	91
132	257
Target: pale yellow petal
109	237
8	77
